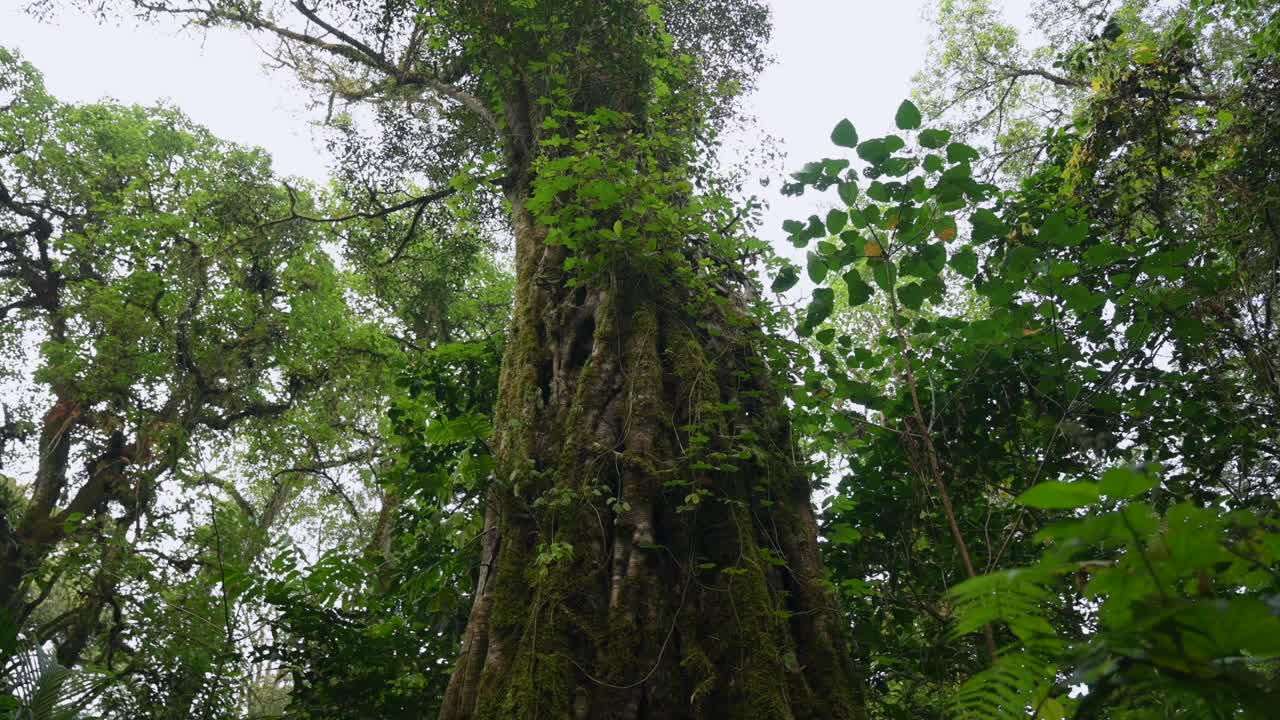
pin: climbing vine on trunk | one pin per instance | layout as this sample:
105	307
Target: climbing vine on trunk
650	547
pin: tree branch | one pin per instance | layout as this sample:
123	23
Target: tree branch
350	48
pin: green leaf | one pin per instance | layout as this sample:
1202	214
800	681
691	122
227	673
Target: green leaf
965	262
885	274
1080	299
72	522
843	534
836	220
1104	254
986	225
833	166
1055	495
908	116
878	191
859	290
895	167
934	257
932	163
1122	483
844	134
934	139
934	288
816	266
464	428
959	152
820	307
786	279
848	192
926	262
1064	270
1051	709
1053	229
1056	230
874	151
877	150
1021	258
911	295
815	228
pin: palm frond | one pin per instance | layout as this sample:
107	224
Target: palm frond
45	690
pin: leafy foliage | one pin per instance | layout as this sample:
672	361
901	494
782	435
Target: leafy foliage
997	362
204	356
1037	357
368	635
36	687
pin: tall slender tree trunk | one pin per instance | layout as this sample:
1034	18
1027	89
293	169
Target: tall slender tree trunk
620	576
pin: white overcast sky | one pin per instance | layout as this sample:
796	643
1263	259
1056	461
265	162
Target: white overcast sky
835	59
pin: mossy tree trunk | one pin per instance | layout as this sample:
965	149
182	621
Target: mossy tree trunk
650	547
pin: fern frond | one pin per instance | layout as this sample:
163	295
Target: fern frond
1007	689
1015	597
1023	673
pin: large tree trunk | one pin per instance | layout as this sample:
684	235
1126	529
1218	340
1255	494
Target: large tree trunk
628	571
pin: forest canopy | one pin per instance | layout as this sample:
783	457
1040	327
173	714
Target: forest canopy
525	413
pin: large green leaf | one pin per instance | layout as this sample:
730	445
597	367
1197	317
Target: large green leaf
786	279
848	192
908	116
816	266
1122	483
959	152
885	273
911	295
965	261
820	307
934	139
844	134
1054	495
836	220
859	291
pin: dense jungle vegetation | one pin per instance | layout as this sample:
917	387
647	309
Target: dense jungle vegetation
524	413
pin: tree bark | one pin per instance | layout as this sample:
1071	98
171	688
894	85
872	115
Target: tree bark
621	577
24	546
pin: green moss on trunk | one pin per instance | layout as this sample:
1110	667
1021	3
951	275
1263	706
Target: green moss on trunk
643	486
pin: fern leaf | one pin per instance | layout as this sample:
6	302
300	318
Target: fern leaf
1007	689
